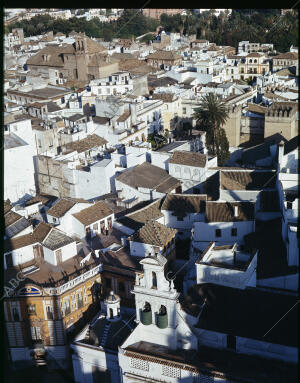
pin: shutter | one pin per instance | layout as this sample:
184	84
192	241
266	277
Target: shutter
11	334
19	334
33	334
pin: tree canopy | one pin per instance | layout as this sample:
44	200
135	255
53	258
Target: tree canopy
262	26
210	116
131	23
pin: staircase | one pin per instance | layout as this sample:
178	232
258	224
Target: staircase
105	334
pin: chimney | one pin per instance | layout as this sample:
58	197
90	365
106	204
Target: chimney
236	211
280	154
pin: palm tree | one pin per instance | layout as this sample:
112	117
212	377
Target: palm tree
211	115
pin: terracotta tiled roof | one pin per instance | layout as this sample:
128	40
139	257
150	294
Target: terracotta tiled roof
120	259
149	176
63	205
93	213
57	239
38	235
55	53
188	159
154	233
138	218
247	180
123	117
7	206
52	276
166	97
164	55
287	56
87	143
254	54
181	204
224	211
41	231
11	217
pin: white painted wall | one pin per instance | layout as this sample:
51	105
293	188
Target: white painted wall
206	232
68	252
19	256
171	220
88	357
66	222
227	277
238	195
18	172
265	349
141	249
160	159
286	282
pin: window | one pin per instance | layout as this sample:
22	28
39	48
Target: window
35	333
234	232
79	300
31	309
9	262
184	110
15	314
67	307
154	280
121	287
58	255
108	282
49	311
95	227
218	232
180	218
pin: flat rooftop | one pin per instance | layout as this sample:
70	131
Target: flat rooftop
44	93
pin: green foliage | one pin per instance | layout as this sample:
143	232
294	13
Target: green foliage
262	26
131	23
147	38
210	116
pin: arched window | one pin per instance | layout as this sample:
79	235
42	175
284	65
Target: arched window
121	287
162	310
147	307
154	280
255	61
250	61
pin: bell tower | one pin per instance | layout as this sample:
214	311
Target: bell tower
155	296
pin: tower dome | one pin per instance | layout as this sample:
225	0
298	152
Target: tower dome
112	303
